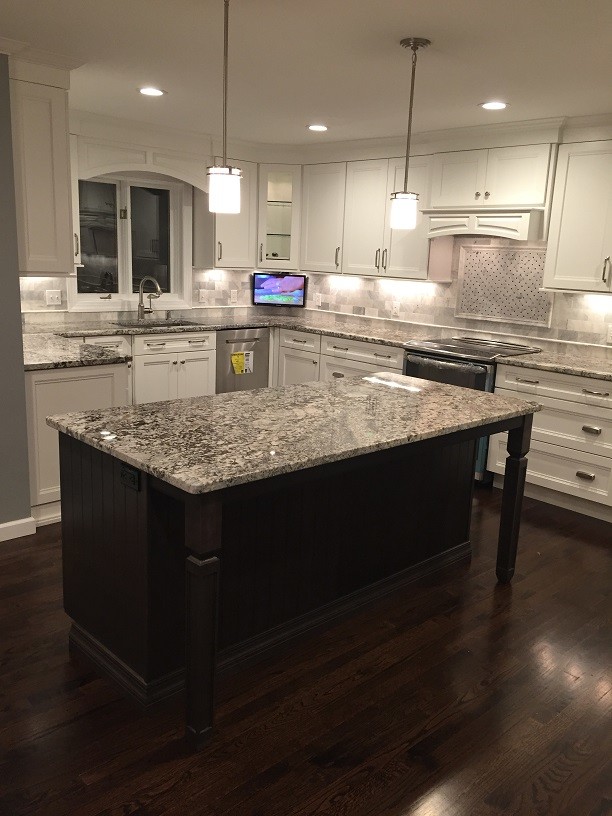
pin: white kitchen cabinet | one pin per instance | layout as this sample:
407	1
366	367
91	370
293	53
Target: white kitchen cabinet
499	177
297	366
361	351
75	202
60	391
170	366
120	343
39	118
236	235
580	233
370	246
280	199
323	194
571	441
336	368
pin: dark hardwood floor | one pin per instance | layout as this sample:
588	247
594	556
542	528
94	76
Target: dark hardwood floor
455	697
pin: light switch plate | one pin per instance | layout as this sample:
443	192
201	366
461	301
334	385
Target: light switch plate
609	337
395	308
233	296
318	299
53	297
202	295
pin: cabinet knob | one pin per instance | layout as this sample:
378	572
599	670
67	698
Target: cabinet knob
182	362
487	195
175	362
476	194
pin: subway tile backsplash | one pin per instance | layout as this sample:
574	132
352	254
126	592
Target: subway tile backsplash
575	317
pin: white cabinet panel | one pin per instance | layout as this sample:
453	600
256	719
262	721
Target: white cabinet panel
155	377
323	195
580	234
236	235
361	351
295	366
333	368
458	178
587	390
43	194
306	341
406	252
196	374
280	201
60	391
364	220
120	343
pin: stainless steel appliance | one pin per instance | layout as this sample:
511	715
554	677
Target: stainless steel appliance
464	361
236	341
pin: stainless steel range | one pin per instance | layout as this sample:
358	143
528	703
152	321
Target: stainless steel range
464	361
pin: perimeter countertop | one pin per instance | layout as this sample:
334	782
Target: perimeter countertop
567	358
49	351
208	443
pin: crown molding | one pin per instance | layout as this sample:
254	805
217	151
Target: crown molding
41	67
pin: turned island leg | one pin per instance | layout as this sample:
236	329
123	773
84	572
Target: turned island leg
512	499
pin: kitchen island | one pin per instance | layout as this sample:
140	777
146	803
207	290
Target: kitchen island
283	507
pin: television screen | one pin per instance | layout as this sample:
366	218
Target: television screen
279	290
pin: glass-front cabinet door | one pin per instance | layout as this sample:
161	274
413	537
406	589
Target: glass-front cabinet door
279	216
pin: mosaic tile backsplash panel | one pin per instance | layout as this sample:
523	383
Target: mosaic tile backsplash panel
503	284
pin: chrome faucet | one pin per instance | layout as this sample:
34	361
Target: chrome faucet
142	311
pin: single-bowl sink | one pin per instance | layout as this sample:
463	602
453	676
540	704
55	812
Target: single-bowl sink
155	323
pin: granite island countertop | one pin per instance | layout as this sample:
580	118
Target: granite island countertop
208	443
48	351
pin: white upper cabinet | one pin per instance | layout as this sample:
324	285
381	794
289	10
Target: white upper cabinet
279	216
580	234
370	246
39	118
236	235
499	177
323	192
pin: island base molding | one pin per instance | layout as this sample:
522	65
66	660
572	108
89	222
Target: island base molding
262	646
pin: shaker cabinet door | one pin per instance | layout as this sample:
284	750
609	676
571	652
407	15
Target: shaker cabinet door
155	377
323	217
236	235
364	218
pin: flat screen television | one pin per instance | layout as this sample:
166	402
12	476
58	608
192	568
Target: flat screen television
278	289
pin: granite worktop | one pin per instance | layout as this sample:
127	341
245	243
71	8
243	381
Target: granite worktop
208	443
569	358
49	351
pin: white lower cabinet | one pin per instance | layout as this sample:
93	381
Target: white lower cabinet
336	368
171	366
297	366
60	391
571	440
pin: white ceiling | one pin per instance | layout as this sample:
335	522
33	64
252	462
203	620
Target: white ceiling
293	62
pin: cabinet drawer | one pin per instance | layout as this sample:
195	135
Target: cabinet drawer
586	390
333	369
558	468
185	341
300	340
376	353
571	425
120	343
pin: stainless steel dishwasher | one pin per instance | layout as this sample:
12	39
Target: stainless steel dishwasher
251	350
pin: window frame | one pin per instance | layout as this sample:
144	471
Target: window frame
181	237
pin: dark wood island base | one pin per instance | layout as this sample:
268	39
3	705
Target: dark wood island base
167	588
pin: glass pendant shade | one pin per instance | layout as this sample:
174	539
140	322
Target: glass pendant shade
403	211
224	189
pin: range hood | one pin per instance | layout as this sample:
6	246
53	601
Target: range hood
520	224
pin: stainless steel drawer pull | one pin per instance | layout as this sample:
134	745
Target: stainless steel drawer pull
591	429
604	271
340	348
243	340
530	382
336	261
337	374
596	393
153	345
195	342
295	340
588	477
219	250
76	245
384	356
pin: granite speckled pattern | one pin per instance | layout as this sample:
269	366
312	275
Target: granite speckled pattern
579	361
209	443
48	351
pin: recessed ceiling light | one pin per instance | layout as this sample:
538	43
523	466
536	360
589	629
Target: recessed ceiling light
151	91
494	105
318	128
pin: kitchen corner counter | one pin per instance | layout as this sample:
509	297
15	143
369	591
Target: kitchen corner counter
48	351
585	361
209	443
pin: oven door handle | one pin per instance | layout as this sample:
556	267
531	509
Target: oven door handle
419	360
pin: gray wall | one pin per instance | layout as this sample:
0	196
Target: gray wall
14	485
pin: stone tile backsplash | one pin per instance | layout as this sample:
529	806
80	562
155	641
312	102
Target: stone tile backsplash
575	317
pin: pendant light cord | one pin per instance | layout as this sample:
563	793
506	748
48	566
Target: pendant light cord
414	62
225	51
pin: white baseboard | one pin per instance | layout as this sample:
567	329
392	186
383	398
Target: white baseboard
17	529
47	513
575	503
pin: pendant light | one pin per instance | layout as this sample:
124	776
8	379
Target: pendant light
224	180
404	203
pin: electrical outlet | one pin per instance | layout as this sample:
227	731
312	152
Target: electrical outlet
202	295
609	337
395	308
53	297
318	299
233	296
